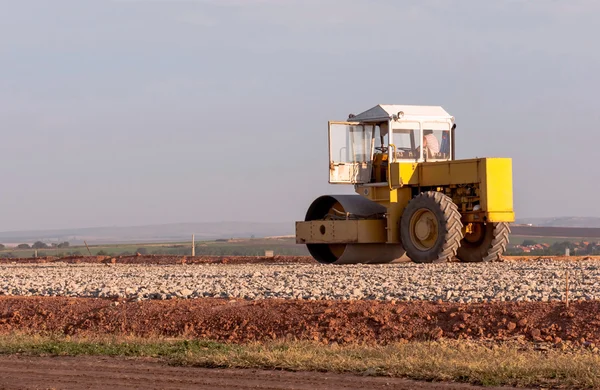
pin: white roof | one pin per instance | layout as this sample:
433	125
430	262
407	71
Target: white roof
386	111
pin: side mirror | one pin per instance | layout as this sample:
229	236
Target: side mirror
453	142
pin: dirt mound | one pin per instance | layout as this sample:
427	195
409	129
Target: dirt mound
325	321
163	260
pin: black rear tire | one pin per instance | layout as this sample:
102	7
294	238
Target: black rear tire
489	247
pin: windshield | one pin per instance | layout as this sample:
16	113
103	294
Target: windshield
409	139
407	144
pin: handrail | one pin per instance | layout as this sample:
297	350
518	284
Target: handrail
389	167
392	146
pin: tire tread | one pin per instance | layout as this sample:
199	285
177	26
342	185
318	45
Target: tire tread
450	225
499	242
490	250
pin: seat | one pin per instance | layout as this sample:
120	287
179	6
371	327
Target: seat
445	146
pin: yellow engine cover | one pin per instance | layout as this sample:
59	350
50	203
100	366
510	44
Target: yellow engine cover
493	176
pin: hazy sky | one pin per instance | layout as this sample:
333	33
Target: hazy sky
139	112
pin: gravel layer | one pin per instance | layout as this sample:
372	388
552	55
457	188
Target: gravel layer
508	281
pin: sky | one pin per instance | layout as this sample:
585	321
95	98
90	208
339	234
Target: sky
134	112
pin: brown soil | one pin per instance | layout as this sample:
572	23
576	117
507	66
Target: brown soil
165	260
118	373
324	321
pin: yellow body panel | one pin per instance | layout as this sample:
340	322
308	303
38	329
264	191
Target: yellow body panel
493	175
498	190
341	231
404	174
449	173
440	173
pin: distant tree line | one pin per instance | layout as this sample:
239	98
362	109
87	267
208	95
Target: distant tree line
40	245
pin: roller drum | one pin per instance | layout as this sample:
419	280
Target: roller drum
329	206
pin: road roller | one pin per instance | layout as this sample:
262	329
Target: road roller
412	200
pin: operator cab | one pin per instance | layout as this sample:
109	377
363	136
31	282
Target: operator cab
361	148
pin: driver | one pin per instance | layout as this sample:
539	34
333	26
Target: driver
430	143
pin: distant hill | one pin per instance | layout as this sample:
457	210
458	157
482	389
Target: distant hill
151	233
574	222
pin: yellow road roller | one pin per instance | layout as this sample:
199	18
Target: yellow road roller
413	199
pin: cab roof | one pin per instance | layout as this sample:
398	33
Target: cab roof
383	112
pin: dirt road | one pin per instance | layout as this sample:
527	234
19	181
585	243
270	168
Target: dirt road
113	373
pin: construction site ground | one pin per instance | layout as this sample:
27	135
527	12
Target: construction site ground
165	260
552	324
